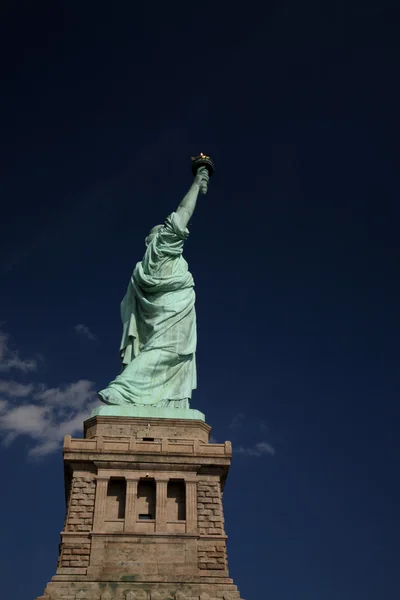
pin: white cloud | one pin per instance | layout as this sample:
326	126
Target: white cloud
26	419
43	414
10	359
84	330
260	449
50	415
56	431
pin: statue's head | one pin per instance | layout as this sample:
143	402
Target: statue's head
152	234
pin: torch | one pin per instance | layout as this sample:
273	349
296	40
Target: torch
202	161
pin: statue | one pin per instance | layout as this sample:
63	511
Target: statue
158	347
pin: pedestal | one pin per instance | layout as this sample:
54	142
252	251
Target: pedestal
144	512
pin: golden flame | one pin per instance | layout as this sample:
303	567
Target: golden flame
201	155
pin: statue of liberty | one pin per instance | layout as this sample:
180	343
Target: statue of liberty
158	346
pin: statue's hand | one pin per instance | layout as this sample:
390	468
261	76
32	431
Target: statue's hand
202	178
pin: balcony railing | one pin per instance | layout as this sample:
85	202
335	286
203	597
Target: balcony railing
129	445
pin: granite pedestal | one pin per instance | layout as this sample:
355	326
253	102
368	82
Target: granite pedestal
144	517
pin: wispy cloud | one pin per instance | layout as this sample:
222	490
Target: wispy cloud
70	395
236	423
44	414
3	345
9	359
238	428
84	330
259	449
15	389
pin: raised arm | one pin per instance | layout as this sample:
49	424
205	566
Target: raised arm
186	208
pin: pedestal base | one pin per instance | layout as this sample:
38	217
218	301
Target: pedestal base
84	590
107	410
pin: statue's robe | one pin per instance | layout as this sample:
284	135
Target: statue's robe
159	327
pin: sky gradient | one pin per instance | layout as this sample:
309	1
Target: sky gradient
295	254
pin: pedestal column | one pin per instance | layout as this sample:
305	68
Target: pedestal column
130	506
161	505
100	503
191	507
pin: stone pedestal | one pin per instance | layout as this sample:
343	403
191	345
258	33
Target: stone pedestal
144	513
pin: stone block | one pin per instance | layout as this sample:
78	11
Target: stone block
215	531
76	508
136	595
71	571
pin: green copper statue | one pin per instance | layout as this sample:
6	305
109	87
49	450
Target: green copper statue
158	344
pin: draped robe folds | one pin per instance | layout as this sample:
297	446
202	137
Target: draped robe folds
159	327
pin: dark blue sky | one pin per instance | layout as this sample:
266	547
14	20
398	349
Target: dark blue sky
295	253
